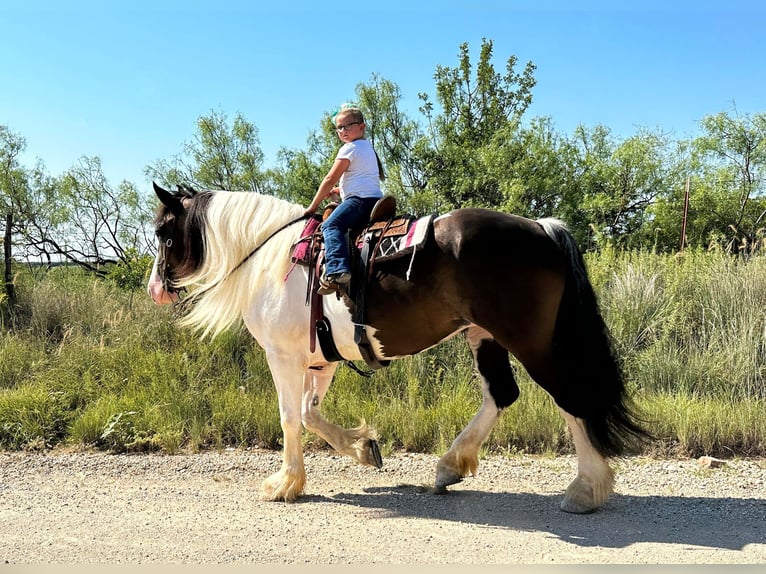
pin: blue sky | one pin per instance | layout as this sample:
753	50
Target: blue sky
126	81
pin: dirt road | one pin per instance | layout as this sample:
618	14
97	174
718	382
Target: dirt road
204	508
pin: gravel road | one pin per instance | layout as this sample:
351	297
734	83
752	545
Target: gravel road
75	508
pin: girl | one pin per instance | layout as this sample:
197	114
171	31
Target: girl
358	172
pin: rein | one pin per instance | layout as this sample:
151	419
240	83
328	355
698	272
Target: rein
252	253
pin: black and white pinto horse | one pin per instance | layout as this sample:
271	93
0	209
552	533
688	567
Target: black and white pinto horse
510	284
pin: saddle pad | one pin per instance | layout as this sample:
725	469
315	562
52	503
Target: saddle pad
393	246
302	248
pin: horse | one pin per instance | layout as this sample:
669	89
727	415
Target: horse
510	285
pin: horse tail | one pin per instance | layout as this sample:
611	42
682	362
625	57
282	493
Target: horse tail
591	381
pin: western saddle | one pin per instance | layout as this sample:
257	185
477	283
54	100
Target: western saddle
380	239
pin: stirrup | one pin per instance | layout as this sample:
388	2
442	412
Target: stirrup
328	286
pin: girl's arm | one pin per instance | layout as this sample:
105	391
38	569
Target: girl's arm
326	187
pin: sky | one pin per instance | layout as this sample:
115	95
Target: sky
127	81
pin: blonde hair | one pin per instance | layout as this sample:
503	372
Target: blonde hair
354	114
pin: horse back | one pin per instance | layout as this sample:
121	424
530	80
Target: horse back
482	237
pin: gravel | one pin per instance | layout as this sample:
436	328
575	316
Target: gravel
97	508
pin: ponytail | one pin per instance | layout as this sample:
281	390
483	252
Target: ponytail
381	173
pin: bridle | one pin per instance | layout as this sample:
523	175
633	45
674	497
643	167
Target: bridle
164	270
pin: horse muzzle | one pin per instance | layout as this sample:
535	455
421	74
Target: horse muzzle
159	294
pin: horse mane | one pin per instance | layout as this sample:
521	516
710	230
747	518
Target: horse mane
194	239
231	225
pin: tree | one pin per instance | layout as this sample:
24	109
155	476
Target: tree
81	219
725	168
621	181
297	176
13	186
735	148
220	156
474	108
532	165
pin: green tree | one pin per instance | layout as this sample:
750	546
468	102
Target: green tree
725	169
621	181
82	219
27	204
299	172
219	156
474	107
533	167
13	190
733	163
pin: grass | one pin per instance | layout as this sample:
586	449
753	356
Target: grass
90	365
692	425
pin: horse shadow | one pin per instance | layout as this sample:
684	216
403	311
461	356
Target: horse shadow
725	523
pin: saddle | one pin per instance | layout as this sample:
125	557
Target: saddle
386	236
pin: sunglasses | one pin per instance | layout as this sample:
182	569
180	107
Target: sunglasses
344	127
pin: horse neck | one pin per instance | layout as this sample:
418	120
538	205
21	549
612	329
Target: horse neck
237	223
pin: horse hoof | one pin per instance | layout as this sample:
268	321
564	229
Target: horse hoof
377	459
582	498
573	506
445	479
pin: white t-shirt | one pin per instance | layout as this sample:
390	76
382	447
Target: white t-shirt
362	178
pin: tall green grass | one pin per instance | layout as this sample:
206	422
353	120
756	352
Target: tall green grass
93	366
694	324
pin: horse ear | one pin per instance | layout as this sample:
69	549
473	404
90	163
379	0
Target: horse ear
167	198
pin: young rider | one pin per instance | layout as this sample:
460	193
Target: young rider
357	171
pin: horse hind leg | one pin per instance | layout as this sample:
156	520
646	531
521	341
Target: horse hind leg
499	390
594	482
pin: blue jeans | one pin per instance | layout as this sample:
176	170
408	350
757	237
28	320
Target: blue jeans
352	212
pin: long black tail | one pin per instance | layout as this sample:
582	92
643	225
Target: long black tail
592	382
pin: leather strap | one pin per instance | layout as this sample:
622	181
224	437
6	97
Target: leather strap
360	333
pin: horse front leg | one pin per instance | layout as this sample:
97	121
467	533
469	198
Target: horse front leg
359	443
288	483
499	390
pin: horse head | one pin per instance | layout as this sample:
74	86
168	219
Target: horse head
179	241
